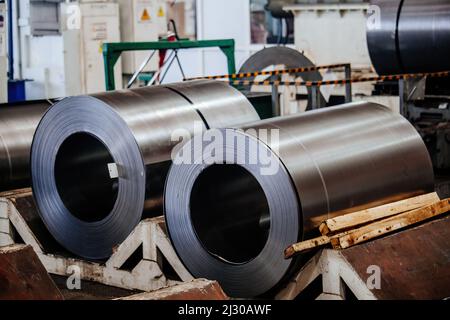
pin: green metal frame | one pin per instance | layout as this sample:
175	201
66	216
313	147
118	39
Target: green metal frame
113	51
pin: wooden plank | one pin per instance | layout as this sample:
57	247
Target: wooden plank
395	223
371	231
359	218
15	193
306	245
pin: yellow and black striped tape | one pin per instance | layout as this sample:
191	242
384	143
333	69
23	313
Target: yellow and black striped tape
337	82
270	73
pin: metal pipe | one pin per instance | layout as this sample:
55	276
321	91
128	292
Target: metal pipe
99	162
230	219
410	36
17	125
141	68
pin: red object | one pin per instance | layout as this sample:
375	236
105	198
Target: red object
162	53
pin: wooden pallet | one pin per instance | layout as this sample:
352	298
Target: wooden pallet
18	216
362	226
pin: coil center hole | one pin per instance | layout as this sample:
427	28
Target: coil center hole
230	213
82	177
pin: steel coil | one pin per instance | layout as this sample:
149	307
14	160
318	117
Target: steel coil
231	221
88	210
283	56
410	36
17	125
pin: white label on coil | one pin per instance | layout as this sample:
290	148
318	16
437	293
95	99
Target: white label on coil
113	170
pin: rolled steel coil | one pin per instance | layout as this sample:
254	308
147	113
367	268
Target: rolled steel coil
17	125
283	56
231	221
86	208
409	36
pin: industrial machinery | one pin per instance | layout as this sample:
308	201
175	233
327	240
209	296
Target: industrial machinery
231	219
113	51
289	101
141	21
99	22
72	34
332	31
99	162
421	44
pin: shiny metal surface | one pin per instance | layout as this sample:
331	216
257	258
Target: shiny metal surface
17	125
85	209
412	36
232	222
382	39
282	56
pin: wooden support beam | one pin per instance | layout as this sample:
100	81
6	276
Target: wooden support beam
373	230
389	225
359	218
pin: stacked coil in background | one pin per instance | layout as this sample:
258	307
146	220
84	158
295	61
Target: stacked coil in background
409	36
88	208
232	222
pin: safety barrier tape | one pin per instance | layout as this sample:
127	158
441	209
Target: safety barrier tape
270	73
339	81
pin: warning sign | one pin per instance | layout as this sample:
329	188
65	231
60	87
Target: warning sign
145	16
161	13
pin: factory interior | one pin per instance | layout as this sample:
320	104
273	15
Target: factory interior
243	151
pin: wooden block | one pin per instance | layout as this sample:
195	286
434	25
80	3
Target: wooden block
23	277
199	289
359	218
389	225
305	246
15	193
